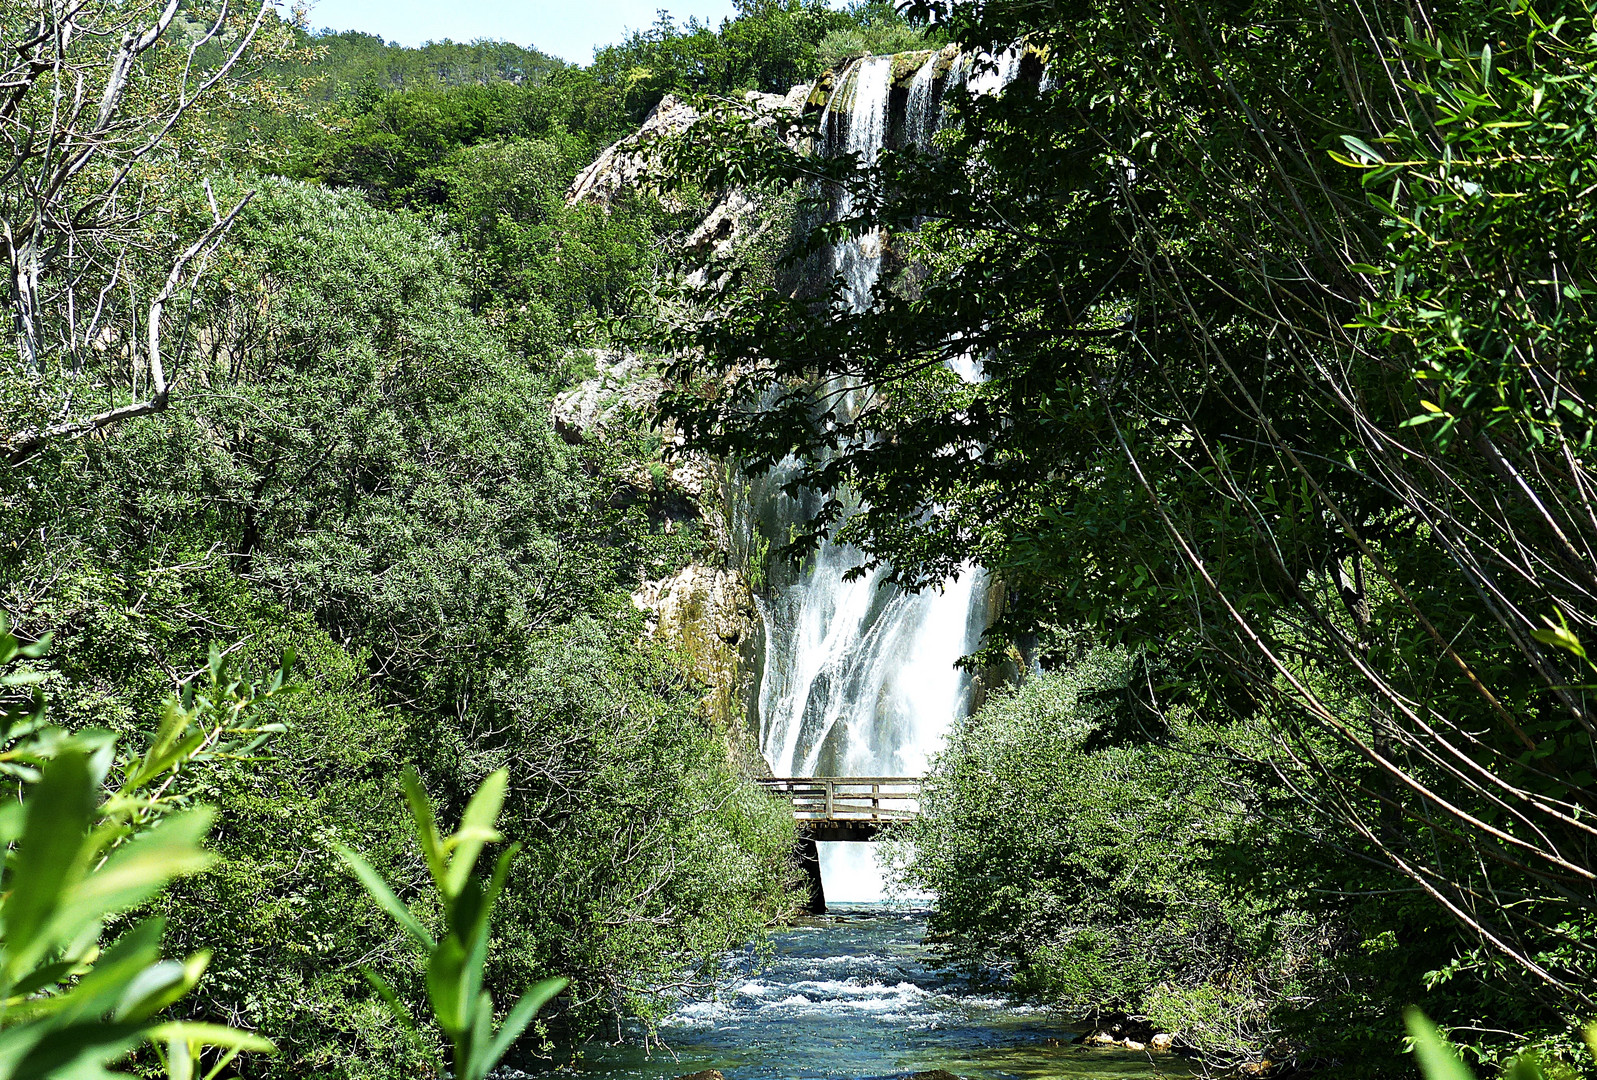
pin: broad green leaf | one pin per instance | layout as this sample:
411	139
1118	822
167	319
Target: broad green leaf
520	1015
1362	148
149	994
16	1042
179	1060
445	971
140	868
468	834
473	913
218	1035
50	858
1436	1058
78	1050
48	975
432	845
477	828
1559	635
380	892
149	983
103	985
482	1029
13	817
1351	163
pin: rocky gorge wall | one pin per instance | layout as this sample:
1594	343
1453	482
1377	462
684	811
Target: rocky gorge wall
705	610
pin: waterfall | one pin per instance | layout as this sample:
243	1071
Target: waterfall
861	130
1006	65
859	679
919	123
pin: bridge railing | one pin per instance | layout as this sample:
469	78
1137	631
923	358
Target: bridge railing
848	798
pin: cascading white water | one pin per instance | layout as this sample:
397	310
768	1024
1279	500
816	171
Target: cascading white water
919	123
861	130
860	679
992	79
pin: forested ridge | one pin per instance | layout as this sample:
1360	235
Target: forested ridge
1279	457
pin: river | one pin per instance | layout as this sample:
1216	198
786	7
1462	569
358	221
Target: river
853	994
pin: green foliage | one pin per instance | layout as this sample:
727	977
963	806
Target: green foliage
1117	870
548	274
83	849
456	961
619	775
1487	271
1438	1060
388	144
287	927
364	468
770	46
878	29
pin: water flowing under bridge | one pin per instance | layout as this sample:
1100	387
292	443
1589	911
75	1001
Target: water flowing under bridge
849	808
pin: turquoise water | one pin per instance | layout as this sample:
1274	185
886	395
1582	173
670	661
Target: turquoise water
852	995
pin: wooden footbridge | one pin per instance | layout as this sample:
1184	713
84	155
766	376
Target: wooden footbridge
849	808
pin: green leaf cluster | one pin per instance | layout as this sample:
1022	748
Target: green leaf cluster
87	843
456	962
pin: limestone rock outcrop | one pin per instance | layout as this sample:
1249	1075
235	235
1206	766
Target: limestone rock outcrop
707	614
630	161
624	388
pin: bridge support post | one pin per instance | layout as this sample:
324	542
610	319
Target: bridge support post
809	860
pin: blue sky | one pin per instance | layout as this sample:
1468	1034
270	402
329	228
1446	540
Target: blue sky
568	29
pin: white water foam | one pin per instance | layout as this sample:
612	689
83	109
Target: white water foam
919	123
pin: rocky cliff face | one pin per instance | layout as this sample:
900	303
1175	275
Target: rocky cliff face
635	160
705	611
707	614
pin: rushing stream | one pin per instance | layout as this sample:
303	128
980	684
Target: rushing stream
852	995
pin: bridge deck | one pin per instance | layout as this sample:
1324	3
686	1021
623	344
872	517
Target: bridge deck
847	807
850	808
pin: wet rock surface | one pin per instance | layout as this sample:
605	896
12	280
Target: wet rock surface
706	613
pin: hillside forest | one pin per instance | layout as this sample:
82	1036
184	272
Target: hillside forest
1279	461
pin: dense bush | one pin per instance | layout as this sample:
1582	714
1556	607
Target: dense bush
546	274
361	467
1083	854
